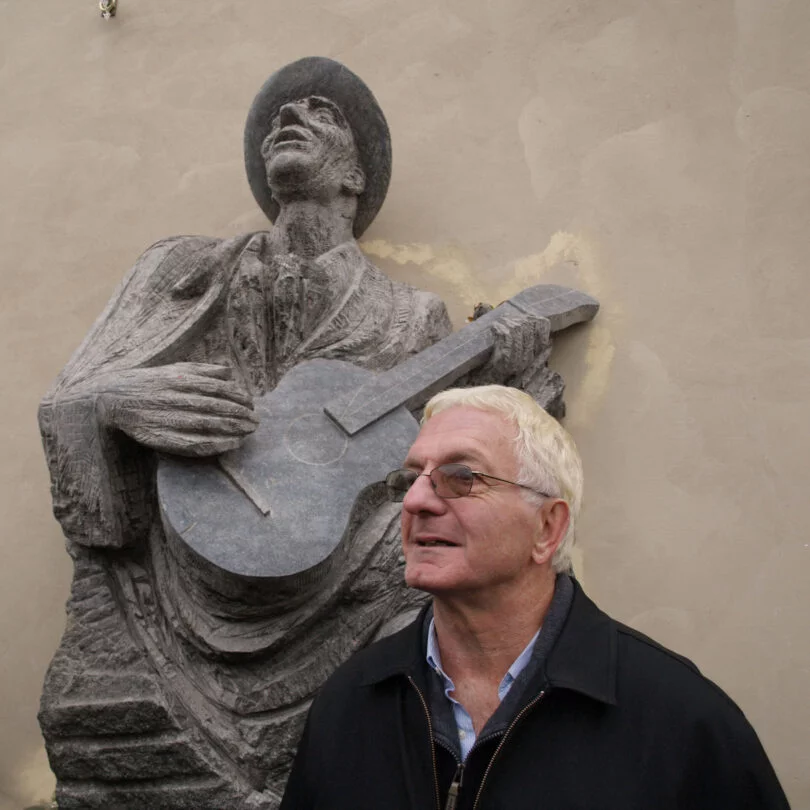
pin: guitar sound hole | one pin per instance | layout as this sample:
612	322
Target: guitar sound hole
315	439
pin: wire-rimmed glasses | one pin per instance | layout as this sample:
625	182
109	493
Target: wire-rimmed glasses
448	481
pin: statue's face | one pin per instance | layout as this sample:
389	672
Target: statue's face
310	151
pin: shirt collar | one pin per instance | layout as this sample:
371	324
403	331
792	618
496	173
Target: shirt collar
434	659
583	657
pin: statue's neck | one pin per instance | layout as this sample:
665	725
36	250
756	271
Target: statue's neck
309	228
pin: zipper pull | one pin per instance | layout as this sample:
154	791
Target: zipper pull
455	786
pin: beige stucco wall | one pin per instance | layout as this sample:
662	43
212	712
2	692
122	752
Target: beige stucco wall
655	153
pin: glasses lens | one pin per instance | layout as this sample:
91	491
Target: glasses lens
452	480
398	483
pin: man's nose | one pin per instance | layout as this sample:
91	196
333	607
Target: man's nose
421	497
291	113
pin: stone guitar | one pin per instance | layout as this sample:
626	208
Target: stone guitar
276	512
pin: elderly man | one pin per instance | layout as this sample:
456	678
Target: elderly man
513	689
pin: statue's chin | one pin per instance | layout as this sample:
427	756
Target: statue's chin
289	172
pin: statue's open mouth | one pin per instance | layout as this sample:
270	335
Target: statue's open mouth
291	135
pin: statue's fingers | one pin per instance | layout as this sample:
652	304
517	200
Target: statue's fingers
213	370
502	336
531	329
201	404
542	333
519	346
212	387
212	425
531	335
185	443
186	421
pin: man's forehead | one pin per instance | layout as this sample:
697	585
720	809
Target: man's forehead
464	434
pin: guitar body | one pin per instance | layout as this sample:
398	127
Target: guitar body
277	509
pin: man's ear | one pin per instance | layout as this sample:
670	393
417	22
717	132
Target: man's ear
554	516
355	181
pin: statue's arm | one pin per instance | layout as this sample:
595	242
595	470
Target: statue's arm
418	320
435	320
121	396
87	469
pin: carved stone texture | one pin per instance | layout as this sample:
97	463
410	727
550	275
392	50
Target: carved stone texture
317	76
223	570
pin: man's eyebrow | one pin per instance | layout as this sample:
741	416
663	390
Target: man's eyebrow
469	457
466	456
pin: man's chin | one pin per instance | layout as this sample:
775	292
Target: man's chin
427	578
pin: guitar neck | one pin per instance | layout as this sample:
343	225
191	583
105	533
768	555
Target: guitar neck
414	381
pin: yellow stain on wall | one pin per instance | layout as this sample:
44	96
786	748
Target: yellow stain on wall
452	265
585	398
563	246
447	262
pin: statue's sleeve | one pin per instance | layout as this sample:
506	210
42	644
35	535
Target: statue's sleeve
429	321
418	319
371	321
102	481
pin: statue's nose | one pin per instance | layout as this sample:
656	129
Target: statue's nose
291	113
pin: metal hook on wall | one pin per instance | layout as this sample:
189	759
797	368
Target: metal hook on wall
108	8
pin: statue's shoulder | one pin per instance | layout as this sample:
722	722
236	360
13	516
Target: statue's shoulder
193	262
421	314
173	284
172	252
405	292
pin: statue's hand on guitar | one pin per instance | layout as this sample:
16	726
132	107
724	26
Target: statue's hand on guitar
522	344
188	409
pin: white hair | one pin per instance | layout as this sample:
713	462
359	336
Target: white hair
548	459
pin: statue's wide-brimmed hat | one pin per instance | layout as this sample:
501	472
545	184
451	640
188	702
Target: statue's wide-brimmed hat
319	76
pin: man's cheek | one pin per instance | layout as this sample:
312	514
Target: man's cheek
405	528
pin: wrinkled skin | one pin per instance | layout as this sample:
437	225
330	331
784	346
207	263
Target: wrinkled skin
483	542
310	153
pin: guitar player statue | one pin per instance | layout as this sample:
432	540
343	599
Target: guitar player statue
216	445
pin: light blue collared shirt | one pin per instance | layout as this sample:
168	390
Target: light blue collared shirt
466	732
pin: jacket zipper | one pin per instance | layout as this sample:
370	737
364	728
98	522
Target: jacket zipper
455	787
514	722
432	744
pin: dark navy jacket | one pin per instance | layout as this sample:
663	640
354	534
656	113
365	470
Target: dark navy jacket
612	721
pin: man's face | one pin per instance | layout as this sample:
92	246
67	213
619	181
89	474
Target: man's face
480	543
309	150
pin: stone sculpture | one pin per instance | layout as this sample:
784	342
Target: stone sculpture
215	447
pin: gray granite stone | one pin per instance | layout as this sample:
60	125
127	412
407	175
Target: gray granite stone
319	76
414	381
278	507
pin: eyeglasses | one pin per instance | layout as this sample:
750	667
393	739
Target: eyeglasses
447	480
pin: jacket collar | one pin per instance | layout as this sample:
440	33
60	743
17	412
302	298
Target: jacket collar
400	654
583	659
